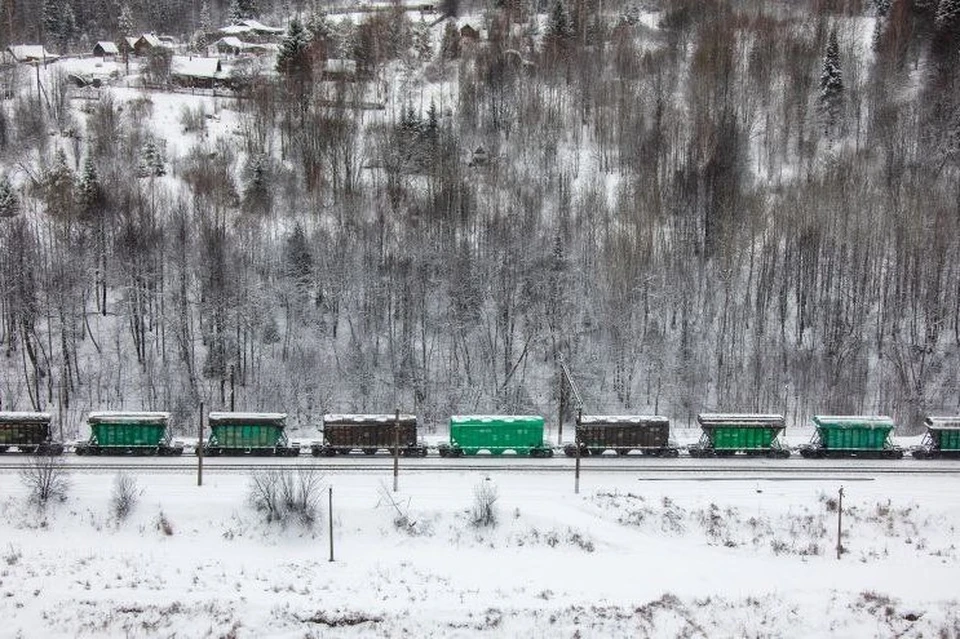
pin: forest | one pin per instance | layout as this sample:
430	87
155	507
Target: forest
723	205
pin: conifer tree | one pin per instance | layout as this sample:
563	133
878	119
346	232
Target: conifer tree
125	20
89	191
293	60
152	160
9	202
830	99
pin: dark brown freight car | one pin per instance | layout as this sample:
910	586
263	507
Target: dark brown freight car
648	434
343	434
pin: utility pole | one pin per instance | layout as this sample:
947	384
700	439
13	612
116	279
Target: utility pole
396	451
839	523
330	519
200	449
231	389
560	414
579	403
576	444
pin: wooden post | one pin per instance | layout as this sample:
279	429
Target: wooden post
396	451
839	523
231	389
200	450
576	444
330	519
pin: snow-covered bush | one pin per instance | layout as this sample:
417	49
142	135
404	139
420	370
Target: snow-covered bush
484	513
284	495
124	497
46	478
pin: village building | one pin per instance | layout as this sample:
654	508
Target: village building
105	49
195	72
146	43
232	45
29	54
127	44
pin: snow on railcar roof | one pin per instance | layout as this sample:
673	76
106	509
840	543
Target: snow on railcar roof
366	417
216	417
943	423
127	416
739	417
858	420
494	418
24	416
621	419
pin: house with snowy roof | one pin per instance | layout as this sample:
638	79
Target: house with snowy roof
146	43
29	54
195	71
105	49
252	30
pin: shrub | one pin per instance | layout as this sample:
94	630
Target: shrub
484	513
46	478
284	495
164	525
125	496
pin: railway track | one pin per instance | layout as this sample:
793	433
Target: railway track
644	468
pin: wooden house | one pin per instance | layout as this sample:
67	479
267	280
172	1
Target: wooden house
105	49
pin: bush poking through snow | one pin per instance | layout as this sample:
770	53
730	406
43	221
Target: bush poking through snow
285	495
164	525
46	478
484	514
124	497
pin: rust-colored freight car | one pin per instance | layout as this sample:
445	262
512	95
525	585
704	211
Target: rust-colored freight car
343	434
648	434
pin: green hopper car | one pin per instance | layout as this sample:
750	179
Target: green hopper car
852	436
256	434
942	439
343	434
27	433
726	434
129	433
496	434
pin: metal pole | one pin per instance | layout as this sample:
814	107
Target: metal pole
396	451
839	523
576	444
231	389
560	415
330	518
200	450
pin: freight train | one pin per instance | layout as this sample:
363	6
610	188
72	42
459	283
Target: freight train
264	434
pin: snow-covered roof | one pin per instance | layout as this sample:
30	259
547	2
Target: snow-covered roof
458	419
130	40
194	67
126	417
862	421
30	53
249	26
740	419
943	423
108	47
15	416
246	417
151	39
232	41
621	419
336	418
256	25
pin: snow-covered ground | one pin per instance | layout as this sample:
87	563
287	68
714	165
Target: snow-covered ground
624	558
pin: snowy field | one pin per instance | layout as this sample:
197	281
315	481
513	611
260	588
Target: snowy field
625	558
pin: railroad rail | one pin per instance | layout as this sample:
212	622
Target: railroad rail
645	468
